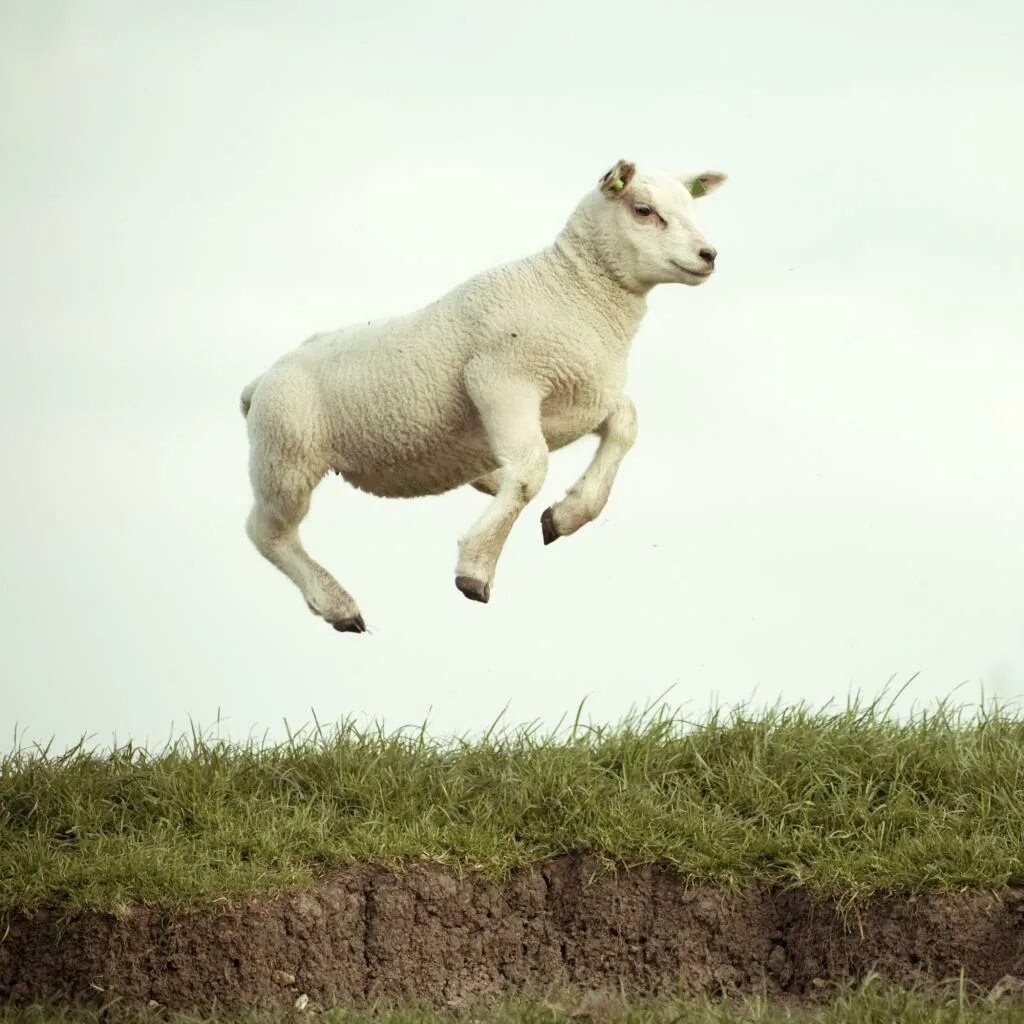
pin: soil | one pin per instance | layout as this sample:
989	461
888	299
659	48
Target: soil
431	934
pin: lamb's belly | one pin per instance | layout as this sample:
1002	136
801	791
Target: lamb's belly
450	463
447	466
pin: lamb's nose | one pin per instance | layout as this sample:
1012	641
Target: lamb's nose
708	256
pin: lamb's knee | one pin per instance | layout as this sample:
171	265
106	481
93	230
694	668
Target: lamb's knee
277	511
620	428
526	476
265	530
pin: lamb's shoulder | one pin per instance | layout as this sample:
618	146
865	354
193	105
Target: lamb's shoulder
575	380
524	321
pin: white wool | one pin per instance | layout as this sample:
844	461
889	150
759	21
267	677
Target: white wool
478	386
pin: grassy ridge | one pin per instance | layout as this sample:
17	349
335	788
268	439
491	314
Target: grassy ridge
871	1003
850	801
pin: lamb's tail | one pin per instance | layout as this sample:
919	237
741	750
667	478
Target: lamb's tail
247	392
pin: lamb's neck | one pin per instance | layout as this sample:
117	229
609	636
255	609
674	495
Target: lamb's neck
623	306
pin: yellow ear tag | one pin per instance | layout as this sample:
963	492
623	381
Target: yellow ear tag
618	185
696	188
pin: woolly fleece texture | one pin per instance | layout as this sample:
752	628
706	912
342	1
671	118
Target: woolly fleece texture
478	386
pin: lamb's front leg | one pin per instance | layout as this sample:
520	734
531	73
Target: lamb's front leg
510	414
587	497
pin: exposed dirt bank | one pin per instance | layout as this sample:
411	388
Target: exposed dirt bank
429	934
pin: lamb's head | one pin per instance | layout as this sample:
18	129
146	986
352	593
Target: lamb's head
641	226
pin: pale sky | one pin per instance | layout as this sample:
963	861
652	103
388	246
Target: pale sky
827	491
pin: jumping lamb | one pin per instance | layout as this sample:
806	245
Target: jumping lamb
477	387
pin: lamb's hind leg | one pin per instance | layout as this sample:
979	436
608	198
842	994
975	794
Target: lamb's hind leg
282	492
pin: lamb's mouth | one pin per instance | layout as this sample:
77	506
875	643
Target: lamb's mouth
688	270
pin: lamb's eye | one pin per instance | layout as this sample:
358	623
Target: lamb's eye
642	210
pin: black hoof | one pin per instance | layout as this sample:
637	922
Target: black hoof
474	589
353	625
547	525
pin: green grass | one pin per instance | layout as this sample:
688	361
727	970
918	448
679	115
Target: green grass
849	802
871	1003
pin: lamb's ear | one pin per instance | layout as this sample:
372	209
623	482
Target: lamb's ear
701	184
614	182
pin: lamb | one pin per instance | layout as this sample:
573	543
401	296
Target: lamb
477	387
